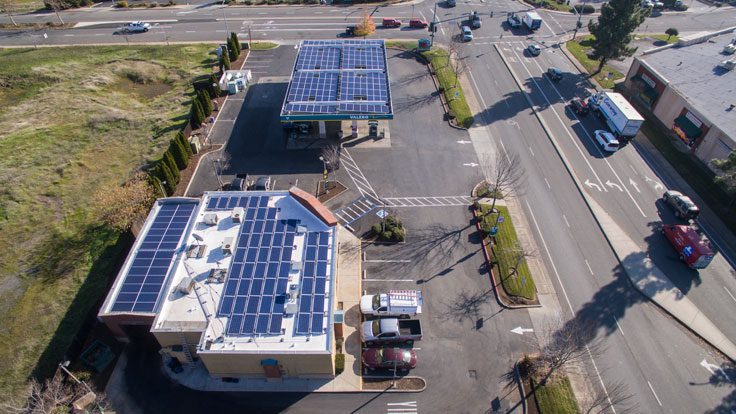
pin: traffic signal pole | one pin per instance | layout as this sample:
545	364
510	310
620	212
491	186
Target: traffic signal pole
434	25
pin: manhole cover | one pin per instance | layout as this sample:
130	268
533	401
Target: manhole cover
472	374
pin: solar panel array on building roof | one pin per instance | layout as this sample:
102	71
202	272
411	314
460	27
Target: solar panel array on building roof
254	295
149	267
340	78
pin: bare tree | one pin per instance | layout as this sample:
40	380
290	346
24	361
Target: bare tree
457	56
120	207
331	156
8	7
519	254
616	395
503	173
55	395
56	5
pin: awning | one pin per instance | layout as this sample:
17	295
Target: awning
687	127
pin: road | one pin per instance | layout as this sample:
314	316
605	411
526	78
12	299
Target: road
666	367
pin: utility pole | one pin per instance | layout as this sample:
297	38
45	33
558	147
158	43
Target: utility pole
578	24
434	25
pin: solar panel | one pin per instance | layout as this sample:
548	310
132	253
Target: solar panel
150	264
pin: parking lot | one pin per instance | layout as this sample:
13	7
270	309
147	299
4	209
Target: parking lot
424	178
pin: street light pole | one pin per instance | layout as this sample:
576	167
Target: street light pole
224	17
325	174
434	25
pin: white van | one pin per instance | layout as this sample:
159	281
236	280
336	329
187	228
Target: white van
607	140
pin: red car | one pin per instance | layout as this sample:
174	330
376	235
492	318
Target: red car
418	23
390	22
399	359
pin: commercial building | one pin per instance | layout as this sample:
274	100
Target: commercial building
243	281
690	87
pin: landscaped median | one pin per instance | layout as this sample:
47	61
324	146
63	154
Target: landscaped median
450	87
507	256
555	396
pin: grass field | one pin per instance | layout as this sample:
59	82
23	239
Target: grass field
439	60
556	397
521	284
659	36
74	121
580	48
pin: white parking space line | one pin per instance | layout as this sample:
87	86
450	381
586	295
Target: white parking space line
729	294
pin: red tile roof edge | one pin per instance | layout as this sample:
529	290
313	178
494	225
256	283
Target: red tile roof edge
311	203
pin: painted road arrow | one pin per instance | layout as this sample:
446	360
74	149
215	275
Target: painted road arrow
464	142
471	164
612	185
712	368
657	185
591	185
636	187
520	331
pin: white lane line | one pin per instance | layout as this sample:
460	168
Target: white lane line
191	31
566	222
632	168
619	328
68	35
547	182
532	151
585	131
655	394
729	294
590	269
569	304
582	155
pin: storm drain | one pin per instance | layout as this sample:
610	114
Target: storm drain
472	374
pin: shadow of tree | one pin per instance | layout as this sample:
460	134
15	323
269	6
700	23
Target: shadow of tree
724	376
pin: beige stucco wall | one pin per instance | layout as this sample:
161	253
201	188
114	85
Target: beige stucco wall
715	145
292	365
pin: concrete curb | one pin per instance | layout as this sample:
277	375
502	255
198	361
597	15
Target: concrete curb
492	276
521	387
424	387
705	329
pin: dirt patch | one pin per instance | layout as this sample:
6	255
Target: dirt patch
143	90
334	189
404	384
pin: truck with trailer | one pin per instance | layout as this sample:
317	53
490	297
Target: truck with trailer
532	21
620	117
401	303
694	249
391	330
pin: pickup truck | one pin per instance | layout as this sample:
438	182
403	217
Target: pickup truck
391	330
401	303
474	20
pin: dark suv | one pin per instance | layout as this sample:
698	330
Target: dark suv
682	204
554	73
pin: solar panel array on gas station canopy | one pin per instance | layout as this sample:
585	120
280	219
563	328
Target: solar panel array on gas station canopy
150	265
339	76
254	295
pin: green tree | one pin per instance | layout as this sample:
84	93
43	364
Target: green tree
224	62
205	102
236	42
185	143
179	154
612	32
197	114
214	90
671	32
171	164
157	186
168	181
728	177
232	50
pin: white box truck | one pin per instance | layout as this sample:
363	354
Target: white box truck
622	119
532	21
402	303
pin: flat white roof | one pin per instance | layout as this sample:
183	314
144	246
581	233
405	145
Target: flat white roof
626	108
292	282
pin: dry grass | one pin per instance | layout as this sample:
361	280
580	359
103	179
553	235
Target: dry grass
74	120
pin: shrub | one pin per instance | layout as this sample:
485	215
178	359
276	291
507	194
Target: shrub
584	8
169	160
236	43
214	90
168	181
224	62
387	235
197	114
232	50
205	101
339	363
376	228
179	154
185	143
398	234
157	185
122	4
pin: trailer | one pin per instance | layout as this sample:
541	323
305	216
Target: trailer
532	21
620	117
693	248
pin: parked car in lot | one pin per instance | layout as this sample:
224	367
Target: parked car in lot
401	303
579	106
467	33
391	330
398	359
137	27
391	22
606	140
418	23
554	73
451	3
534	49
683	206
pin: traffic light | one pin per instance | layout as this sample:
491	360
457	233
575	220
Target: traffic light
432	27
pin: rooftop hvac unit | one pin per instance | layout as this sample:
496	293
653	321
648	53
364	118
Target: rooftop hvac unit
196	251
186	285
301	229
227	245
210	219
296	266
216	276
237	215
